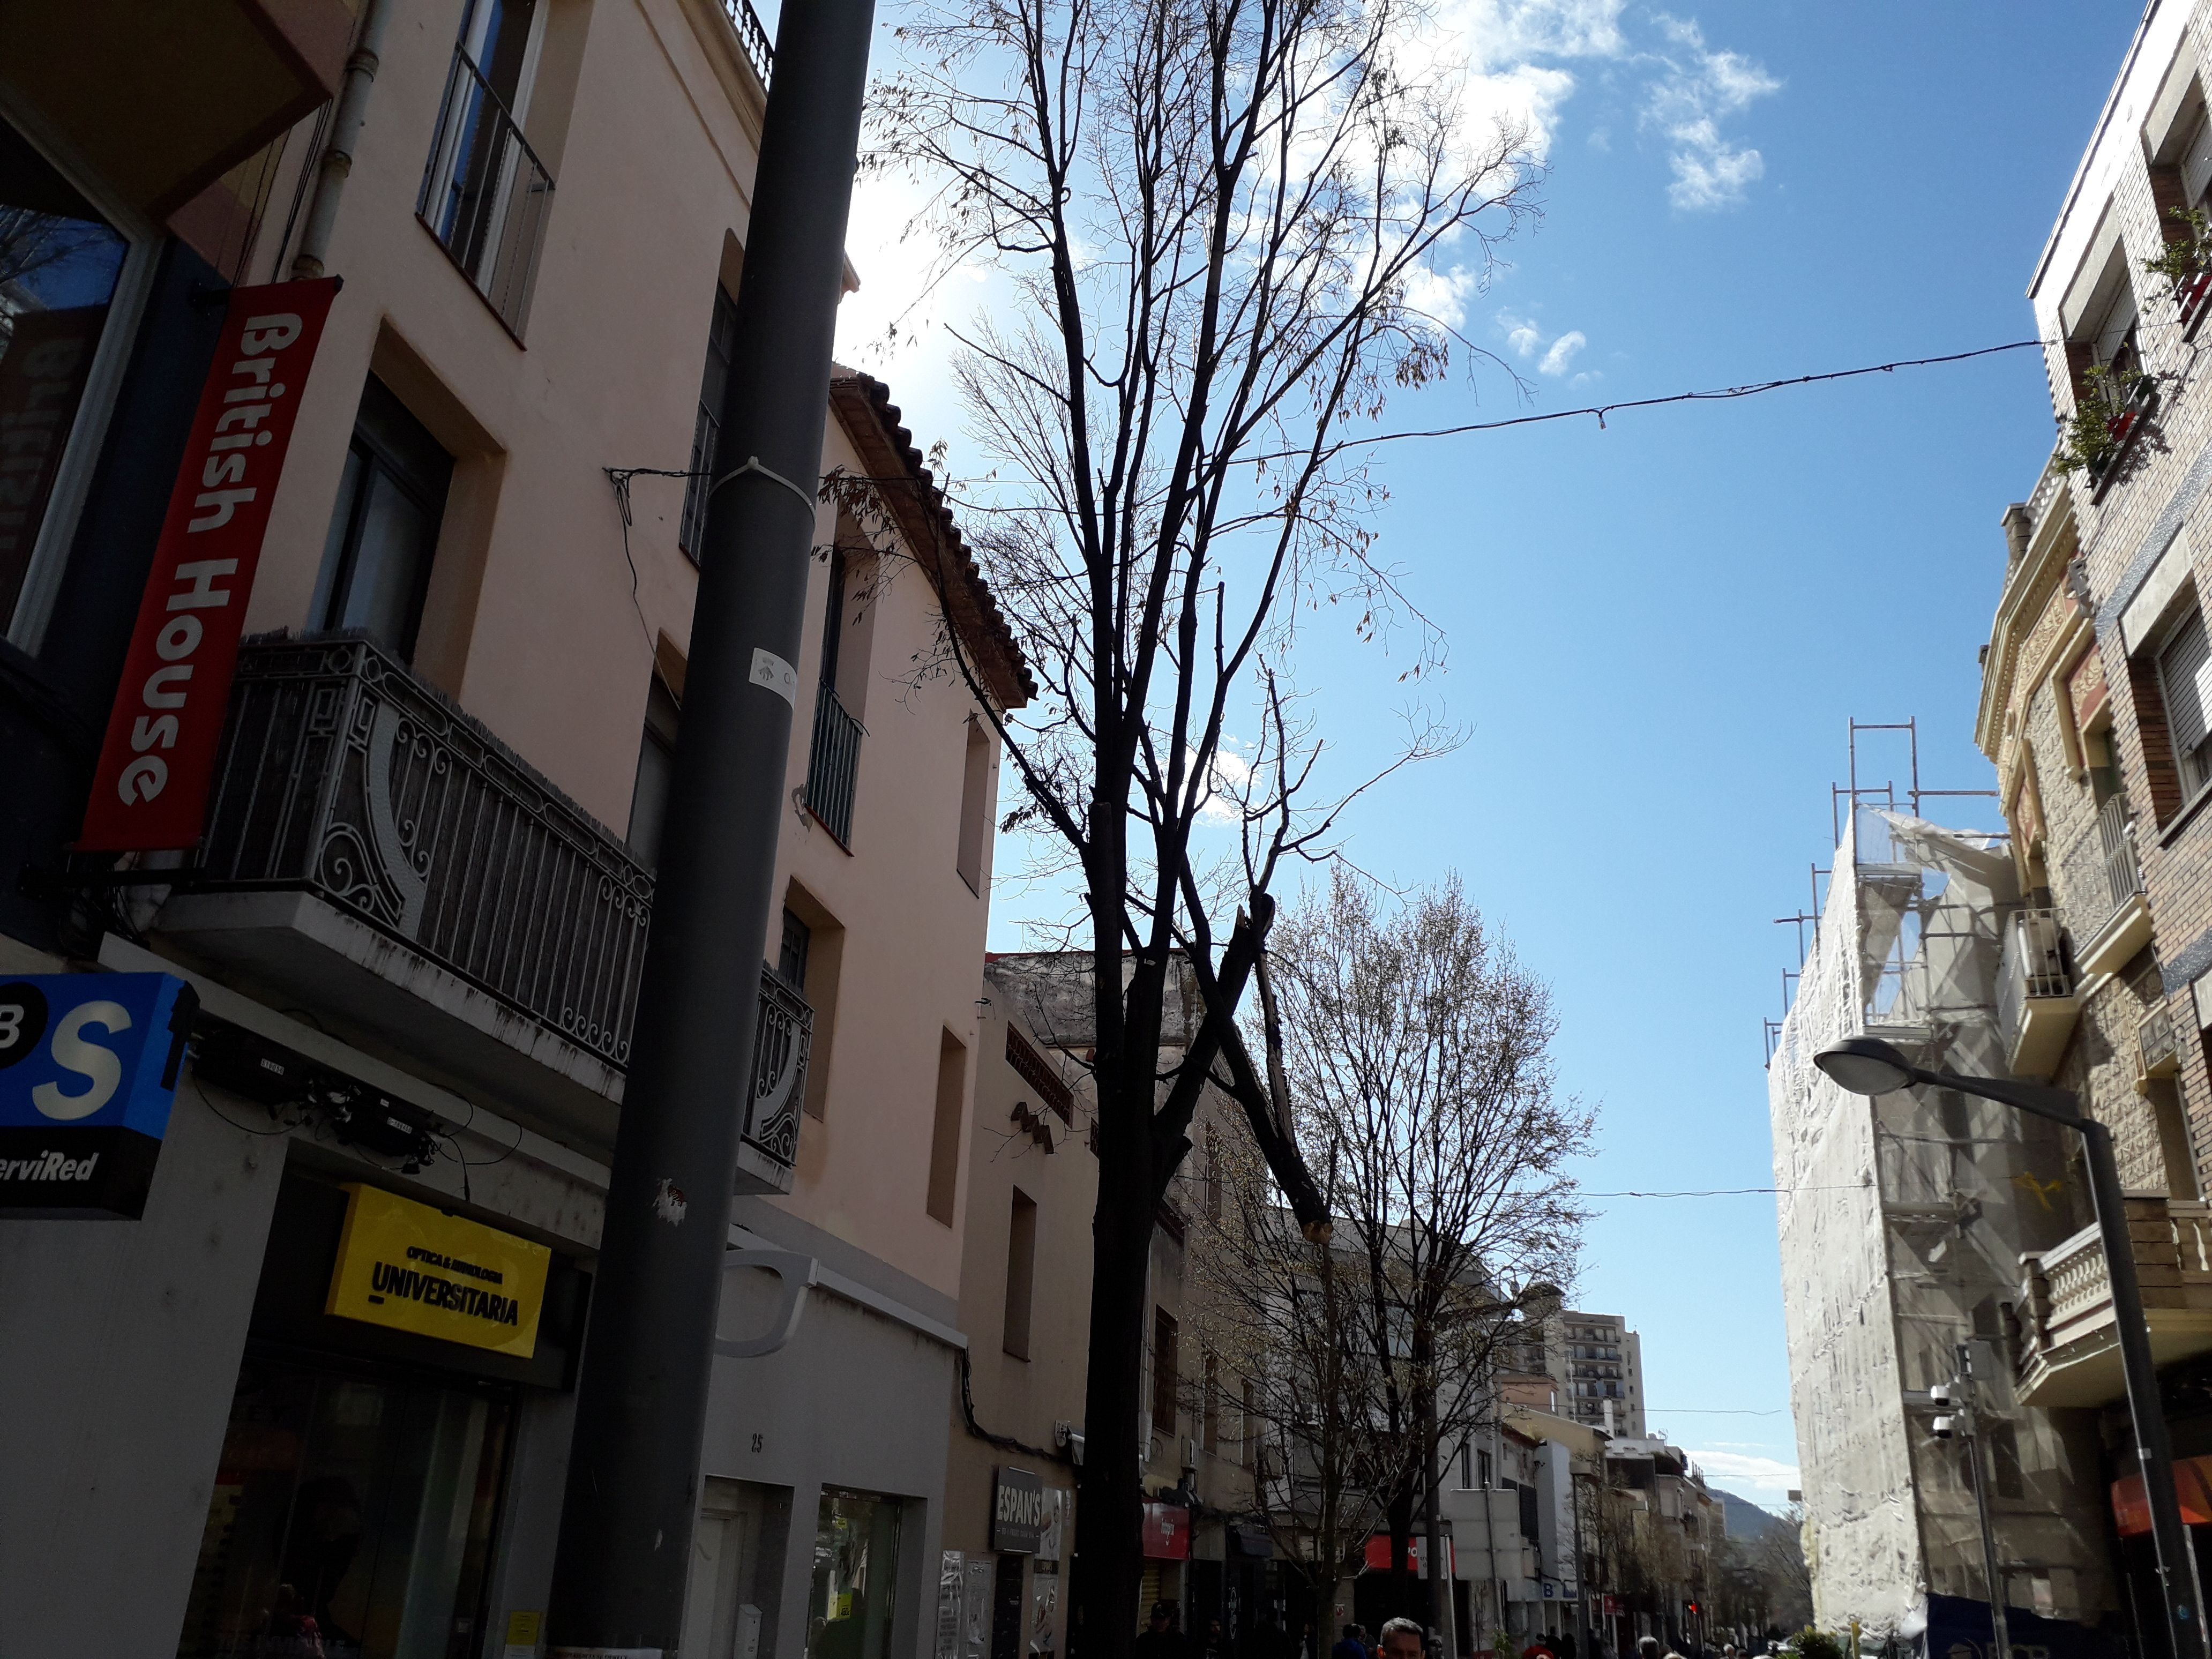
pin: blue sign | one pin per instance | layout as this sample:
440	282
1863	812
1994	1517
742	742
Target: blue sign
88	1066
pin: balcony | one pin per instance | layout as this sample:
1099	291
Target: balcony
374	855
2068	1355
833	765
2117	884
161	101
752	37
2126	428
2038	999
485	194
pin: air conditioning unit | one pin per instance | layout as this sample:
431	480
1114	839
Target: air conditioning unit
1190	1454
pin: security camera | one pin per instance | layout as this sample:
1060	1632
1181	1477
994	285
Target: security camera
1943	1427
1943	1395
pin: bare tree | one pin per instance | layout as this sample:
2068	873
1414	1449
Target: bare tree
1220	219
1408	1051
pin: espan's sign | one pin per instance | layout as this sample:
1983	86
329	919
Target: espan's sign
89	1066
150	789
414	1269
1019	1511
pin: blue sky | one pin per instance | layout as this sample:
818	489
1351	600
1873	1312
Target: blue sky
1657	631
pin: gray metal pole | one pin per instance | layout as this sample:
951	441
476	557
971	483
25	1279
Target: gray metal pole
626	1525
1992	1573
1440	1557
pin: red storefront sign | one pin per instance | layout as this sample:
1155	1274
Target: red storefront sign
1378	1554
1167	1532
2192	1484
150	790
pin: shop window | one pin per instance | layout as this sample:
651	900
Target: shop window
851	1605
384	530
352	1515
945	1131
61	276
1021	1274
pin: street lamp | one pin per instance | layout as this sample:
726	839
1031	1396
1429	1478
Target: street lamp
1868	1066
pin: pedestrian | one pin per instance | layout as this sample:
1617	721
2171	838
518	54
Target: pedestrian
1160	1640
1404	1639
1352	1646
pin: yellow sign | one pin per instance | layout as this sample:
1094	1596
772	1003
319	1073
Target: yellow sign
415	1268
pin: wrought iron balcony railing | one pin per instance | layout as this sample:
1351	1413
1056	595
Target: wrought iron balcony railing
485	194
344	776
2122	877
751	36
2037	1000
833	765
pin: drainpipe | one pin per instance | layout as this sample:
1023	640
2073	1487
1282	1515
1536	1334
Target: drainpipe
336	163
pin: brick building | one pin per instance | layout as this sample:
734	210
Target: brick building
2096	695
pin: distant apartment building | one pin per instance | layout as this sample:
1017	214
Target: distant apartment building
415	914
1598	1363
2096	709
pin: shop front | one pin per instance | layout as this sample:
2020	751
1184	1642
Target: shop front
1006	1603
398	1357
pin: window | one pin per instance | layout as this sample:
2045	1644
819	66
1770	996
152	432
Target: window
852	1604
1249	1441
2112	342
974	808
656	769
833	762
1466	1466
1021	1274
485	195
707	425
1210	1419
2185	684
791	953
1163	1372
944	1131
61	269
376	560
1213	1174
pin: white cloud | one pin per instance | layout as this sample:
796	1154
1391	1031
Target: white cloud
1747	1475
1695	87
1561	356
1442	294
1553	357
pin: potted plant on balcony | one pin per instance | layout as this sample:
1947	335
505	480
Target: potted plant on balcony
2184	263
2109	409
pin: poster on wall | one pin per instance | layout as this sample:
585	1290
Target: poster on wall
951	1587
975	1632
1044	1611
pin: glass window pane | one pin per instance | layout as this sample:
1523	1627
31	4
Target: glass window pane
850	1608
352	1519
391	555
59	264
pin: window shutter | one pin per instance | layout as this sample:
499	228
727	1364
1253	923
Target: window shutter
2182	673
2196	161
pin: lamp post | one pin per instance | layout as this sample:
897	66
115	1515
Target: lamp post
1867	1066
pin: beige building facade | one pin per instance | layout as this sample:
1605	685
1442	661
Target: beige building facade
415	919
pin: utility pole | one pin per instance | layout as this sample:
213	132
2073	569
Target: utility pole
626	1525
1962	1399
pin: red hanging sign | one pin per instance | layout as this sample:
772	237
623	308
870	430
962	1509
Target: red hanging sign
150	791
